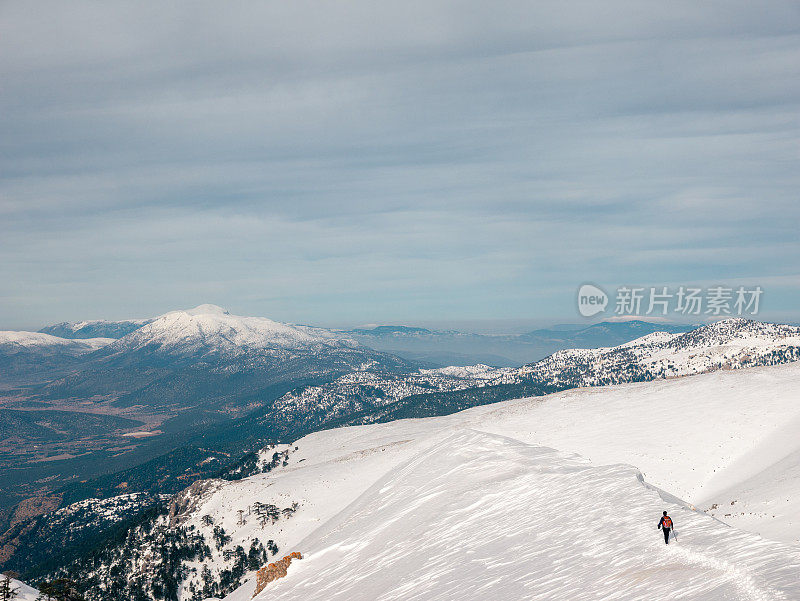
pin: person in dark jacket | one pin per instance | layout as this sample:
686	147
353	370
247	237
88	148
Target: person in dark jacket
665	523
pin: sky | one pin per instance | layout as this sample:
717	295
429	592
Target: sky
418	162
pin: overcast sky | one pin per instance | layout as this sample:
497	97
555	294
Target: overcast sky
419	162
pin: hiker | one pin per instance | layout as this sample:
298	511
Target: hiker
666	525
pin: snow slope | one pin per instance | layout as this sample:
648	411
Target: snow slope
481	516
707	439
478	505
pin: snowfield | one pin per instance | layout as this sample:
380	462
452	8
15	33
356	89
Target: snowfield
722	437
481	516
480	505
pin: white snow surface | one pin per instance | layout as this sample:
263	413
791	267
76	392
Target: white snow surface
479	505
707	439
22	340
212	327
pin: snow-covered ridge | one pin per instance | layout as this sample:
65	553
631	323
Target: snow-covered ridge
95	328
212	328
726	344
10	340
76	326
481	516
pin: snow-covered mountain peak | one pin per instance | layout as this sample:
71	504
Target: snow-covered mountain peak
207	309
212	328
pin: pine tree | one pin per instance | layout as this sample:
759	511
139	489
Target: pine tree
7	590
60	589
255	555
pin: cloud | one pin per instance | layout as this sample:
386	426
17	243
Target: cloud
359	161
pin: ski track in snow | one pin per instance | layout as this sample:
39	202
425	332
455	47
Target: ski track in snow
744	581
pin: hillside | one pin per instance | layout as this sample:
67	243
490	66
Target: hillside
702	438
484	489
486	510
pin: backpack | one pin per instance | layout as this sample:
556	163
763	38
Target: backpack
667	523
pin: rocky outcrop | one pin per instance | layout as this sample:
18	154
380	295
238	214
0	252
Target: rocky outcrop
185	502
274	571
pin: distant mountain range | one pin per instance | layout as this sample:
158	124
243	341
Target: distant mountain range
366	397
606	333
207	359
436	348
95	329
433	348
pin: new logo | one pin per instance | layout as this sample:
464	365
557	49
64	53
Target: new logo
591	300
